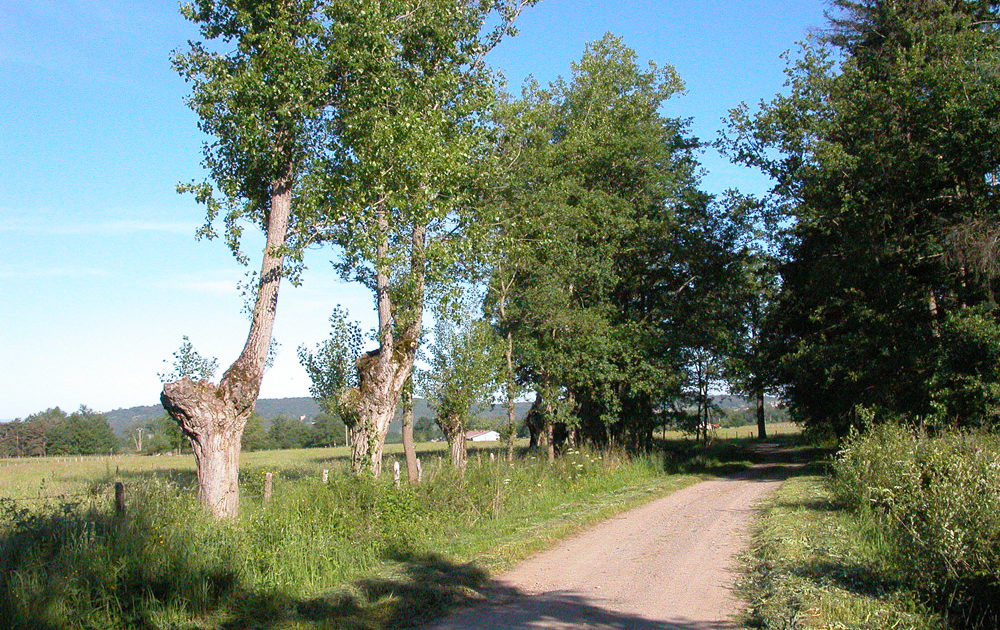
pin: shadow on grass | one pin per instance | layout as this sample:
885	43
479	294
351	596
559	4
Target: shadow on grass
426	587
781	457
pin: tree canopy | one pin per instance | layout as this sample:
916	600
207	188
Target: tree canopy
883	155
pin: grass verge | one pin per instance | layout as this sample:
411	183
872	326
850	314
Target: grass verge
814	565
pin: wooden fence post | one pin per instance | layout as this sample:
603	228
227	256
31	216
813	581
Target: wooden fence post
267	488
420	471
395	472
326	475
119	498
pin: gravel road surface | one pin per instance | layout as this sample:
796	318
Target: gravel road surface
668	565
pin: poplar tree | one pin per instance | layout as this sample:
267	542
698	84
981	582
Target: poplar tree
263	90
403	174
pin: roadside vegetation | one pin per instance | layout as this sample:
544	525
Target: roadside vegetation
354	552
901	533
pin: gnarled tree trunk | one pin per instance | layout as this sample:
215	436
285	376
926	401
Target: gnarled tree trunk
454	430
383	372
380	383
213	416
536	424
459	451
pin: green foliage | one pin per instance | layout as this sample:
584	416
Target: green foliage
883	157
263	91
53	432
332	365
612	261
813	565
189	363
934	500
463	370
286	432
411	155
84	432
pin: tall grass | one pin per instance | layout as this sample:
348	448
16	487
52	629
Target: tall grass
933	502
358	553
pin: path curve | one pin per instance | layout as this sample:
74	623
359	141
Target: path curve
667	565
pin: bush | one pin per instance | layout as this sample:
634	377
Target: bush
936	501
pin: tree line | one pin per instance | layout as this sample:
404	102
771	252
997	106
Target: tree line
54	432
560	239
885	165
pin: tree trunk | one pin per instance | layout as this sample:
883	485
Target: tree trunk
550	438
213	416
380	386
456	444
932	306
218	461
535	424
383	372
509	355
761	427
408	447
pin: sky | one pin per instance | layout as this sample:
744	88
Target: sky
100	271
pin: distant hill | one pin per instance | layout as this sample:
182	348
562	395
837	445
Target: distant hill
270	408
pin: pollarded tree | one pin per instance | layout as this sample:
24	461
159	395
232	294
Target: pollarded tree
332	370
464	367
263	91
408	160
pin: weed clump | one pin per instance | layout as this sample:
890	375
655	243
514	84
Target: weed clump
932	501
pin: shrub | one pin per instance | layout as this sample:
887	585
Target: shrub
936	501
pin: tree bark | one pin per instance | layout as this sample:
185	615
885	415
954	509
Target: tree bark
509	355
408	447
761	426
535	424
383	372
213	416
456	443
550	438
509	359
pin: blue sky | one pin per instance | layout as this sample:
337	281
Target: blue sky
100	273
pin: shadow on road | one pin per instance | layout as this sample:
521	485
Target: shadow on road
560	610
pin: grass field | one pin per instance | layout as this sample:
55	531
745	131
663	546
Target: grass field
59	478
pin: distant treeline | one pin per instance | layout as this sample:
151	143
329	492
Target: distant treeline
85	432
54	432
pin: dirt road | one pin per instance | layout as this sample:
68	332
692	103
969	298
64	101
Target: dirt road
667	565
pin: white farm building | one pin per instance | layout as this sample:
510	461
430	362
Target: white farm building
482	436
